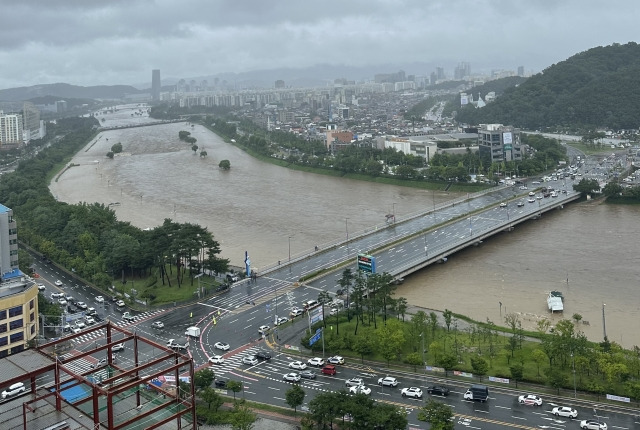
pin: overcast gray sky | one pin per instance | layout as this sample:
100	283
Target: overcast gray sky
89	42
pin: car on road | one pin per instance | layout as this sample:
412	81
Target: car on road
117	347
120	303
308	374
14	389
57	295
69	299
76	330
336	359
530	399
354	382
414	392
564	411
297	365
99	299
296	311
250	359
99	363
536	183
531	200
388	381
89	320
58	283
263	329
520	203
263	356
503	205
41	287
216	359
220	383
282	320
329	369
221	345
80	324
593	425
334	311
91	311
157	324
532	194
81	305
438	390
67	328
315	361
291	377
62	301
360	389
231	277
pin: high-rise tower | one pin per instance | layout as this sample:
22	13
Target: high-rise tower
155	84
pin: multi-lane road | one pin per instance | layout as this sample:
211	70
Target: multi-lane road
234	317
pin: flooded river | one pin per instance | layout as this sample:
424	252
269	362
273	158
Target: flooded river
587	250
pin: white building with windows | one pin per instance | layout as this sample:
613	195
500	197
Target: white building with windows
10	130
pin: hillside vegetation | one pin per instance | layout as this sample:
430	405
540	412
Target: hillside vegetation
596	88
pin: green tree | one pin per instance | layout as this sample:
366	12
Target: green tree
242	418
437	414
211	397
517	373
587	186
235	386
364	345
203	153
224	164
117	148
539	357
447	315
294	397
194	148
414	359
480	367
401	306
557	379
110	155
203	378
390	340
449	362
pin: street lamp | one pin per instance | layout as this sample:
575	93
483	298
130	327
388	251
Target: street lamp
575	394
604	322
290	248
394	212
346	227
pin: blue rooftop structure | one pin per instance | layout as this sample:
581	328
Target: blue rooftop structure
14	274
4	209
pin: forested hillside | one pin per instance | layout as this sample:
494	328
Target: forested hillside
596	88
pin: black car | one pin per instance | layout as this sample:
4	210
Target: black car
340	292
220	383
439	390
263	356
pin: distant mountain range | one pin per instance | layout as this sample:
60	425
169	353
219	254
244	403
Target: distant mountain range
599	87
106	92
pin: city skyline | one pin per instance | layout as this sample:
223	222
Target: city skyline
120	42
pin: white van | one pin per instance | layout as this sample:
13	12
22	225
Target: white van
311	303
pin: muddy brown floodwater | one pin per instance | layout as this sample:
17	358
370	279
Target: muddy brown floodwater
587	250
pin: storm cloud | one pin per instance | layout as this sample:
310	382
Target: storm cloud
118	42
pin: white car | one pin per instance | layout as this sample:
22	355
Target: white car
89	320
58	283
216	359
41	287
316	361
334	311
263	329
157	324
16	388
360	389
388	381
530	399
282	320
62	301
57	295
291	377
414	392
120	303
336	359
503	205
593	425
221	345
99	299
81	305
118	347
296	311
250	359
76	330
531	200
564	411
297	365
80	324
354	382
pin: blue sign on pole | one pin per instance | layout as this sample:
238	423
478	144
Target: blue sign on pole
247	263
314	338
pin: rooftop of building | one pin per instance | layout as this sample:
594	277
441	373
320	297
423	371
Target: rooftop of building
4	209
9	287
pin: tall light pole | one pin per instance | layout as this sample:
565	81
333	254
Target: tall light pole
604	322
394	212
575	394
346	227
290	248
